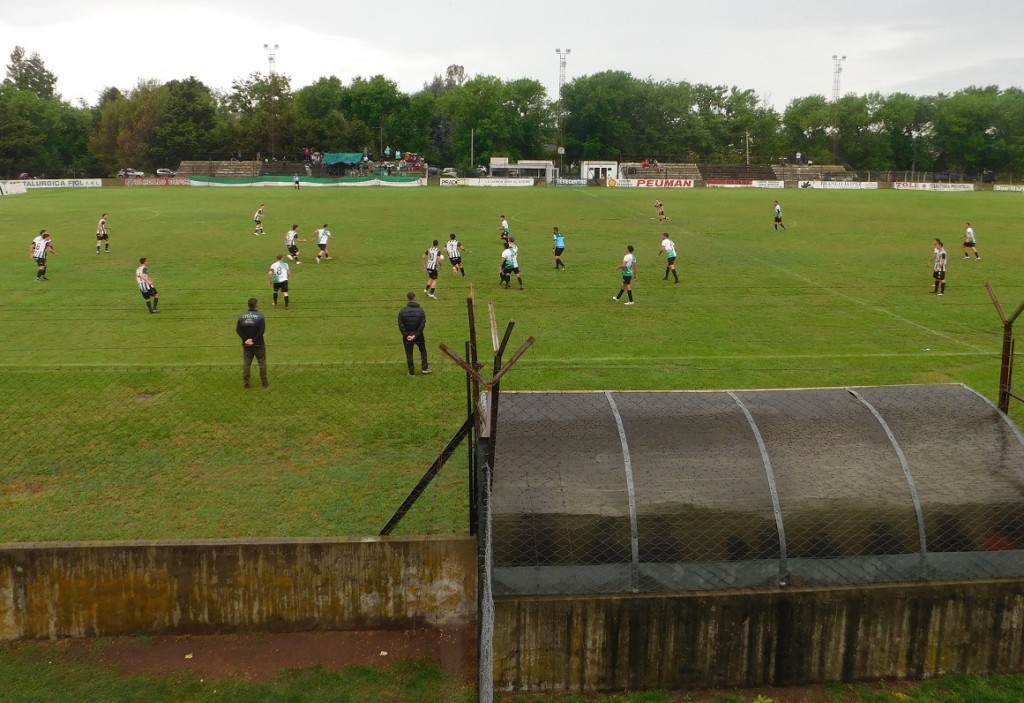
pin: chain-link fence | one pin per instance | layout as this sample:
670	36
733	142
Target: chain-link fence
640	492
187	452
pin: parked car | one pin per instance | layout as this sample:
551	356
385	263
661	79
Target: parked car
130	173
449	173
166	172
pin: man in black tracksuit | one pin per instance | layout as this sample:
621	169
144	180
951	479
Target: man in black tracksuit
251	327
411	321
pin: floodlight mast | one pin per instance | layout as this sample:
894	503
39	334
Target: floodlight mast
271	50
561	85
837	72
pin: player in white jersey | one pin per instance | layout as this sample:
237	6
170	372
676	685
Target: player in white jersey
778	217
432	259
503	229
970	243
39	249
278	278
628	269
323	237
454	248
668	248
660	207
938	264
258	219
510	264
291	242
102	235
146	285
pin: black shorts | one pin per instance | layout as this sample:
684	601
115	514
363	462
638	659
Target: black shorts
939	275
626	280
323	247
41	260
432	273
101	237
456	260
293	249
671	260
969	244
509	270
559	250
778	220
147	294
281	286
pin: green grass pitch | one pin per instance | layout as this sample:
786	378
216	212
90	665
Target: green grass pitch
125	425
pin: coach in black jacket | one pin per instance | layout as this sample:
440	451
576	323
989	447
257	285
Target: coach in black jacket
411	321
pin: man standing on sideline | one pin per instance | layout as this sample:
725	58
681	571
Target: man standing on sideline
969	242
323	236
628	268
102	236
938	264
778	217
503	229
431	260
295	180
40	248
250	327
558	247
291	242
668	248
258	219
278	276
411	321
455	249
146	286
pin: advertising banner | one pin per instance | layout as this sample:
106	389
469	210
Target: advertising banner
63	183
840	185
650	183
488	182
941	187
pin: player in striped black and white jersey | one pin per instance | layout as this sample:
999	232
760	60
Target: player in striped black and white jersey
102	235
454	248
291	242
432	259
40	247
323	237
146	285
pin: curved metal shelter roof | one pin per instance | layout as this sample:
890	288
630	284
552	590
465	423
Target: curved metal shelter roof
654	491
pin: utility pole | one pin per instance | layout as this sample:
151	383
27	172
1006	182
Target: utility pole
561	85
271	50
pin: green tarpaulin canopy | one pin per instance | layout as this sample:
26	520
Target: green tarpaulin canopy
339	157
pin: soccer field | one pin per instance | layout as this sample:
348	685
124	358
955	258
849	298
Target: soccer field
129	425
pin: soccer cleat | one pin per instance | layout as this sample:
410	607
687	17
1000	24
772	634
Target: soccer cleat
291	257
940	293
151	312
630	302
614	299
520	288
426	371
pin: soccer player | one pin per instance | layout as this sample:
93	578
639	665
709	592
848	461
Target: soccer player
778	217
660	207
102	236
510	264
628	269
278	278
558	248
503	229
323	236
146	285
431	258
938	264
455	249
258	219
668	248
969	242
291	242
40	248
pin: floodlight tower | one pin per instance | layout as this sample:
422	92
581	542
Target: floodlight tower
837	72
271	50
561	85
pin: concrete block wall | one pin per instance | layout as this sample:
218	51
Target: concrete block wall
205	586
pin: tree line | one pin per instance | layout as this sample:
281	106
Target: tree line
460	121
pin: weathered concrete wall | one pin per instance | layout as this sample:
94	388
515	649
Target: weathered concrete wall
84	589
595	643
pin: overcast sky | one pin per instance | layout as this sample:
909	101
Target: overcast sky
782	49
